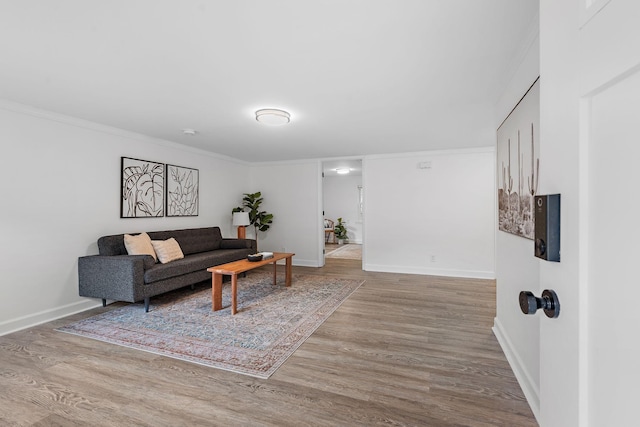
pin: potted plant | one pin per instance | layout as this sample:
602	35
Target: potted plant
340	232
261	220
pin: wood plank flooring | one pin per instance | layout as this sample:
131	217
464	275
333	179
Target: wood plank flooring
403	350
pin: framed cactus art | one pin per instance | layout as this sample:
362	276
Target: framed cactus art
518	162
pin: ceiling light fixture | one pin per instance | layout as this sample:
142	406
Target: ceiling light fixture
190	132
273	116
343	171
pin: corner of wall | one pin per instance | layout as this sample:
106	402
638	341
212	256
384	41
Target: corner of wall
529	387
515	270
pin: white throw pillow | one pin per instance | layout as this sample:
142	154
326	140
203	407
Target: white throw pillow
139	245
167	250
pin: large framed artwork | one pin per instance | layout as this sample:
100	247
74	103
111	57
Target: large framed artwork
141	188
182	191
518	162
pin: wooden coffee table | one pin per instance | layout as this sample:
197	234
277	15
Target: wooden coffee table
234	268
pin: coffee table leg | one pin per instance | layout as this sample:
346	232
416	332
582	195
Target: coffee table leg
216	291
287	277
275	270
234	293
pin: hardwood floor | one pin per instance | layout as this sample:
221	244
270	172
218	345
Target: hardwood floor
403	350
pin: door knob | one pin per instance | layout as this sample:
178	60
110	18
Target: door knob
548	302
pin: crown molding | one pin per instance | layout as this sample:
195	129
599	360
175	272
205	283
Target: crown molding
28	110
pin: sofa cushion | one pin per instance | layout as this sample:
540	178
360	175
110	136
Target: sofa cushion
167	250
112	245
192	240
149	261
139	245
194	262
235	244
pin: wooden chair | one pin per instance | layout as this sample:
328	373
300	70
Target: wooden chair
328	230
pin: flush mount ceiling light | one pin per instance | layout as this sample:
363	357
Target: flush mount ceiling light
343	171
189	132
273	117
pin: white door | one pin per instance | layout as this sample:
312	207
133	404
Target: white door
590	140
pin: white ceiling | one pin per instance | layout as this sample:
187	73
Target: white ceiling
358	77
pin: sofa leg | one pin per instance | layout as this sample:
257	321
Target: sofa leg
146	304
104	302
193	286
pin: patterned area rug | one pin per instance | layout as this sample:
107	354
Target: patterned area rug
271	323
349	251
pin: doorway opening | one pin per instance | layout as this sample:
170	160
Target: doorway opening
343	208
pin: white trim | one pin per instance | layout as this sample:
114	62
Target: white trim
320	221
402	269
488	149
305	263
283	162
583	260
364	214
529	387
532	35
589	9
585	299
363	157
24	322
97	127
332	159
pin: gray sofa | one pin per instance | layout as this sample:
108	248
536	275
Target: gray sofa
115	275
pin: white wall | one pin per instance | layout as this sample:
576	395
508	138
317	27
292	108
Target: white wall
341	201
60	188
438	221
291	192
516	267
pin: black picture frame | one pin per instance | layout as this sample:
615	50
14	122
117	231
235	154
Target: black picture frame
182	191
141	188
518	165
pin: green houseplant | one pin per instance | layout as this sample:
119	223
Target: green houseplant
341	232
261	220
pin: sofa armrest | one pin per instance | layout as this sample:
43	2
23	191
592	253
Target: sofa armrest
119	277
239	244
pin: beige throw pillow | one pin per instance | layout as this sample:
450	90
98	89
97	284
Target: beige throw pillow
139	245
167	250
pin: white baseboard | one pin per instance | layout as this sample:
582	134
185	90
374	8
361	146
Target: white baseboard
430	271
305	262
529	388
14	325
28	321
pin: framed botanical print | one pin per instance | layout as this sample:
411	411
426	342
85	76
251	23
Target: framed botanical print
141	188
182	191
